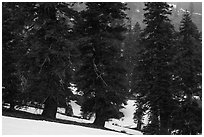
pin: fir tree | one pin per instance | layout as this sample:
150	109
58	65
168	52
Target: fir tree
14	18
101	77
153	70
188	78
47	65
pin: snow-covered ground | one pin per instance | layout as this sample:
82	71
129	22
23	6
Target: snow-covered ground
16	126
9	124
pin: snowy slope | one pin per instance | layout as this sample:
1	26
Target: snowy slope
16	126
118	125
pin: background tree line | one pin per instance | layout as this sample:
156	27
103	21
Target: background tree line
49	47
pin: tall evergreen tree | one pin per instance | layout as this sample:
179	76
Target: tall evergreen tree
14	18
154	71
101	77
188	78
47	65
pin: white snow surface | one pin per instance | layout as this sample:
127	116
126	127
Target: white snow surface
16	126
76	108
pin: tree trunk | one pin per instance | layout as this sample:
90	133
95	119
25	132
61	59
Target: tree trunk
99	120
50	108
164	124
12	104
69	110
11	97
139	125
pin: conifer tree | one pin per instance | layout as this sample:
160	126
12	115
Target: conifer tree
47	64
188	78
101	77
14	18
153	70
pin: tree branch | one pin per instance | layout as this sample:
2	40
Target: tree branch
98	75
42	65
